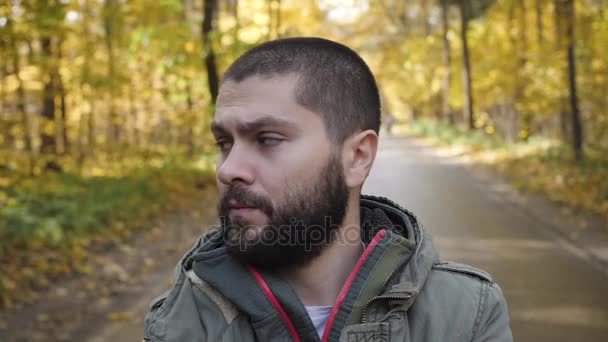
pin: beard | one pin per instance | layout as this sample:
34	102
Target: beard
297	230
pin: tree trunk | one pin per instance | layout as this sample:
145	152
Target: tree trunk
62	105
237	24
539	21
210	63
269	27
47	127
278	15
3	74
447	77
86	76
468	105
110	9
426	14
131	127
21	110
191	116
577	130
524	119
559	42
91	128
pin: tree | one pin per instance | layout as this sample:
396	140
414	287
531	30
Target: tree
49	17
464	28
469	10
539	21
447	60
210	8
20	98
110	24
577	129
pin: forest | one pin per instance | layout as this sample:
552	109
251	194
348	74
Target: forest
105	105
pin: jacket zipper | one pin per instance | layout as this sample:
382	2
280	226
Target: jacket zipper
349	282
389	297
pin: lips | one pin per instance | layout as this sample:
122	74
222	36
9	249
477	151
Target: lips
240	202
237	205
246	213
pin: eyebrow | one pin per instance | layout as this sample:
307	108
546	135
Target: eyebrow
245	128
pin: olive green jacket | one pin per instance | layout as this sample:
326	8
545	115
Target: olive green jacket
399	291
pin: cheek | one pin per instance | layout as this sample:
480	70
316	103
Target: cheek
295	170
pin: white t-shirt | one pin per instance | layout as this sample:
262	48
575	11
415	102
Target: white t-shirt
319	316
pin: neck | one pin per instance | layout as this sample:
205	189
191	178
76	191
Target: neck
320	281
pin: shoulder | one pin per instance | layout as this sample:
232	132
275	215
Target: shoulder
458	288
462	270
190	308
457	285
463	283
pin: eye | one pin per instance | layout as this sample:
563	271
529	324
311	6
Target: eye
223	144
269	140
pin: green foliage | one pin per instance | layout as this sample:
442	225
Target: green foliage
455	134
58	208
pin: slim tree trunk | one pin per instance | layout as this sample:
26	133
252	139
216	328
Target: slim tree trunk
131	129
269	27
426	13
21	98
237	24
559	42
278	15
86	80
62	104
3	74
91	128
577	130
110	9
191	116
524	119
81	154
210	7
445	85
48	129
539	22
468	105
21	108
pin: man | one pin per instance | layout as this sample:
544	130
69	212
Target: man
300	255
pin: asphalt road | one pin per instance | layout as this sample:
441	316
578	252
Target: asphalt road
554	293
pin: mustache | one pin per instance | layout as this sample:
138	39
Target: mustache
245	197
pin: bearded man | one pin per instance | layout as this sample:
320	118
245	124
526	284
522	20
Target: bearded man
300	254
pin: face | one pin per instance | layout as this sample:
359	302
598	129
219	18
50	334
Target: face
281	181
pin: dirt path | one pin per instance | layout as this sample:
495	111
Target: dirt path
110	304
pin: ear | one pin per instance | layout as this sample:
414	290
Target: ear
358	157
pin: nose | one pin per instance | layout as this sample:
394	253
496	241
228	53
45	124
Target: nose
235	167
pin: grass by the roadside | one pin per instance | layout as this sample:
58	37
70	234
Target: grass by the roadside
50	223
538	165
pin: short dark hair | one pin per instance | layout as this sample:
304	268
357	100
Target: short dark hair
333	80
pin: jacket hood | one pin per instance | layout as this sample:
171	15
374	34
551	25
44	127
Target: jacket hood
379	212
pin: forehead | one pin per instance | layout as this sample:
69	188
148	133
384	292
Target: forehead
258	96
